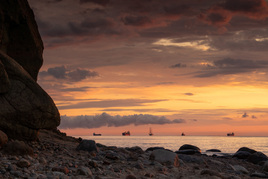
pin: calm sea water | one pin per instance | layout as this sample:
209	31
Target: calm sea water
225	144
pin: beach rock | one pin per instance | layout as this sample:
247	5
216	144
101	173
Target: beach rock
242	154
23	163
87	145
257	157
213	150
17	148
135	149
165	157
84	171
64	170
259	175
239	168
188	149
19	35
153	148
3	138
246	149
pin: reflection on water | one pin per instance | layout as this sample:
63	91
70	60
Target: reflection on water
225	144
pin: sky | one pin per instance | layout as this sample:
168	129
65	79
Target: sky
198	67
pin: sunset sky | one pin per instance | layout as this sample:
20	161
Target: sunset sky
193	66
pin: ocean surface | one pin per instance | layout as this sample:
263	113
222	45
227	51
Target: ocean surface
223	143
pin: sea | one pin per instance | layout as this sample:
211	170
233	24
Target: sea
227	145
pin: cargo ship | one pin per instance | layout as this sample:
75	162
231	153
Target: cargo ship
230	134
126	133
94	134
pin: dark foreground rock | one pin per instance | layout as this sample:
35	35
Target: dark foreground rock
19	36
25	106
55	156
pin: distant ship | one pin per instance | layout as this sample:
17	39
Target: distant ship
182	134
126	133
230	134
94	134
150	132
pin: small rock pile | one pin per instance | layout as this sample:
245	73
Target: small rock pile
56	155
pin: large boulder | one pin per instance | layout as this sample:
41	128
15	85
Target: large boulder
25	106
19	36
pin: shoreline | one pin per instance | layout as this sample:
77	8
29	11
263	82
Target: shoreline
56	155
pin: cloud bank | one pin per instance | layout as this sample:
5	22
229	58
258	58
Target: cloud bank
104	119
61	72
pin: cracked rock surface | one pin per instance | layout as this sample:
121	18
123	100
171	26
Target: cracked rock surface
24	106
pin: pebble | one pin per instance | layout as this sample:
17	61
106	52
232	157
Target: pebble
23	163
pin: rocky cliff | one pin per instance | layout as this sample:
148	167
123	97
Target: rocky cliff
24	106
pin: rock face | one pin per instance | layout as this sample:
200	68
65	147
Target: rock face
25	106
19	36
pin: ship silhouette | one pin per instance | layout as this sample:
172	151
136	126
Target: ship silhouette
230	134
150	132
94	134
127	133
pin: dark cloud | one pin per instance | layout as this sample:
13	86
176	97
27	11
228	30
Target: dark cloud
188	94
216	16
110	103
100	2
113	121
71	75
231	66
253	8
221	14
245	115
136	20
178	65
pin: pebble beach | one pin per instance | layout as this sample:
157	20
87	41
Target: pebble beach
56	155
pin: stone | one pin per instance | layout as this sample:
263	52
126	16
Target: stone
87	145
19	35
188	149
165	157
246	149
3	138
64	170
242	154
17	148
135	149
153	148
84	171
259	175
257	157
213	150
26	107
23	163
240	169
187	152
